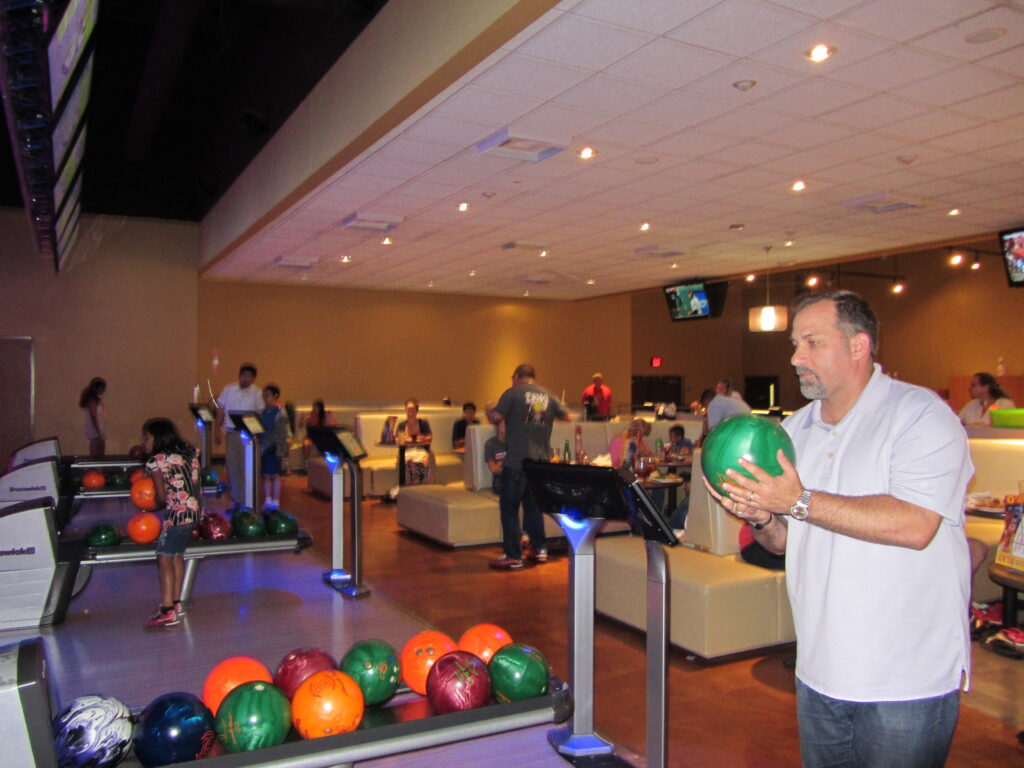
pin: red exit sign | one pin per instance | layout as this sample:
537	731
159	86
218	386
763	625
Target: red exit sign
655	362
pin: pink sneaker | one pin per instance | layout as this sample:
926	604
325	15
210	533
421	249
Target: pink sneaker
506	564
166	619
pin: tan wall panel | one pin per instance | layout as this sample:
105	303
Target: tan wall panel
373	346
125	310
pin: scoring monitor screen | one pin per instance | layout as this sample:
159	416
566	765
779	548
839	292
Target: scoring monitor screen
1013	256
252	423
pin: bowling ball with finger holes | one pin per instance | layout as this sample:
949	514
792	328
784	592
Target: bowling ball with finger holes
748	436
419	654
458	681
254	715
373	664
174	728
518	671
93	480
326	704
282	524
103	535
300	664
246	524
143	493
228	675
483	640
92	732
143	528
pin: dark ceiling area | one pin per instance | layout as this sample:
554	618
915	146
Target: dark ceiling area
186	92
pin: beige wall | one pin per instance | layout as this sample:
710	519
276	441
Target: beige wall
372	346
702	351
124	310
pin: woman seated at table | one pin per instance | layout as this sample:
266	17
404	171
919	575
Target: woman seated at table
319	416
414	433
629	445
678	446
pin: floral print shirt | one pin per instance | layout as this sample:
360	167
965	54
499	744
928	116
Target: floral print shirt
182	487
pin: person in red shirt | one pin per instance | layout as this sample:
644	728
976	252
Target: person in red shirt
597	399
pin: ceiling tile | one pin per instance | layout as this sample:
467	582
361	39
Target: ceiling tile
720	84
808	133
929	126
1011	61
486	107
876	112
822	9
527	76
558	122
955	85
600	89
951	41
997	105
653	16
896	66
740	27
625	129
900	21
670	63
851	47
582	42
814	97
683	111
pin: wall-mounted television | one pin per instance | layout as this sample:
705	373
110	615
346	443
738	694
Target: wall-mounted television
695	299
1013	255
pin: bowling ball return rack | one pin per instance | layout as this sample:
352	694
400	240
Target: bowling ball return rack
404	724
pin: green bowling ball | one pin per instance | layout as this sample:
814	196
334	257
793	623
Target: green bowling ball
282	524
118	480
103	535
252	716
210	477
246	524
754	438
73	480
374	665
518	671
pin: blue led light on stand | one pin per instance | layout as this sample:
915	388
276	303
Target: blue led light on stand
332	461
200	424
245	436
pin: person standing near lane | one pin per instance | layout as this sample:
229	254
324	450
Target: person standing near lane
597	399
91	403
871	520
529	411
235	398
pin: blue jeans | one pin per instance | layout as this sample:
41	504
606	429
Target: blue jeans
884	734
513	492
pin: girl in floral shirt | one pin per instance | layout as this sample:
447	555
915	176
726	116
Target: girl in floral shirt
174	466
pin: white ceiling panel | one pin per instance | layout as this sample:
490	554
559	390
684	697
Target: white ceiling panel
954	40
900	21
669	63
583	42
654	16
955	85
534	78
741	27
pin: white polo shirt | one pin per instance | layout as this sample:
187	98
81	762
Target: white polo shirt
234	399
877	622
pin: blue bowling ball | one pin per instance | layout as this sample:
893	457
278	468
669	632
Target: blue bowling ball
174	728
92	732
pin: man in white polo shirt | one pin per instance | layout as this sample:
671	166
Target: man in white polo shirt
234	398
872	523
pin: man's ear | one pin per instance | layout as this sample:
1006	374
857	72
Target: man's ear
860	346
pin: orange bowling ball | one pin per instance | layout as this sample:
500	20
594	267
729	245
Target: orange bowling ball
94	479
230	674
144	528
137	473
144	493
327	703
419	655
483	640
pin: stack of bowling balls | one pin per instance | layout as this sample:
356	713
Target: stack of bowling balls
244	707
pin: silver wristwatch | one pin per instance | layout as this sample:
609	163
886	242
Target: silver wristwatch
802	508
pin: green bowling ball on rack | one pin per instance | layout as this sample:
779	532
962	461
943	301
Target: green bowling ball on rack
374	665
73	480
282	524
252	716
103	535
748	436
518	671
246	524
118	480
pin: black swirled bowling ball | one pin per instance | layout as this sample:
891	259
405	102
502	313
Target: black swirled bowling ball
174	728
117	480
457	681
215	527
92	732
282	524
103	535
246	524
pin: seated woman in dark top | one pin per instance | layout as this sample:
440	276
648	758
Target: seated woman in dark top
414	433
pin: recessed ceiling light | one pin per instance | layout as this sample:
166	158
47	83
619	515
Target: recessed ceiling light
346	259
463	206
751	277
387	241
587	153
976	264
953	212
736	227
821	52
647	160
812	281
543	254
744	85
799	185
591	281
472	273
430	284
674	266
898	287
526	292
305	276
956	259
789	243
985	35
645	226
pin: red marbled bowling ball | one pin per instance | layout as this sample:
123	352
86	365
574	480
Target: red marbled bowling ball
457	681
300	664
215	527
